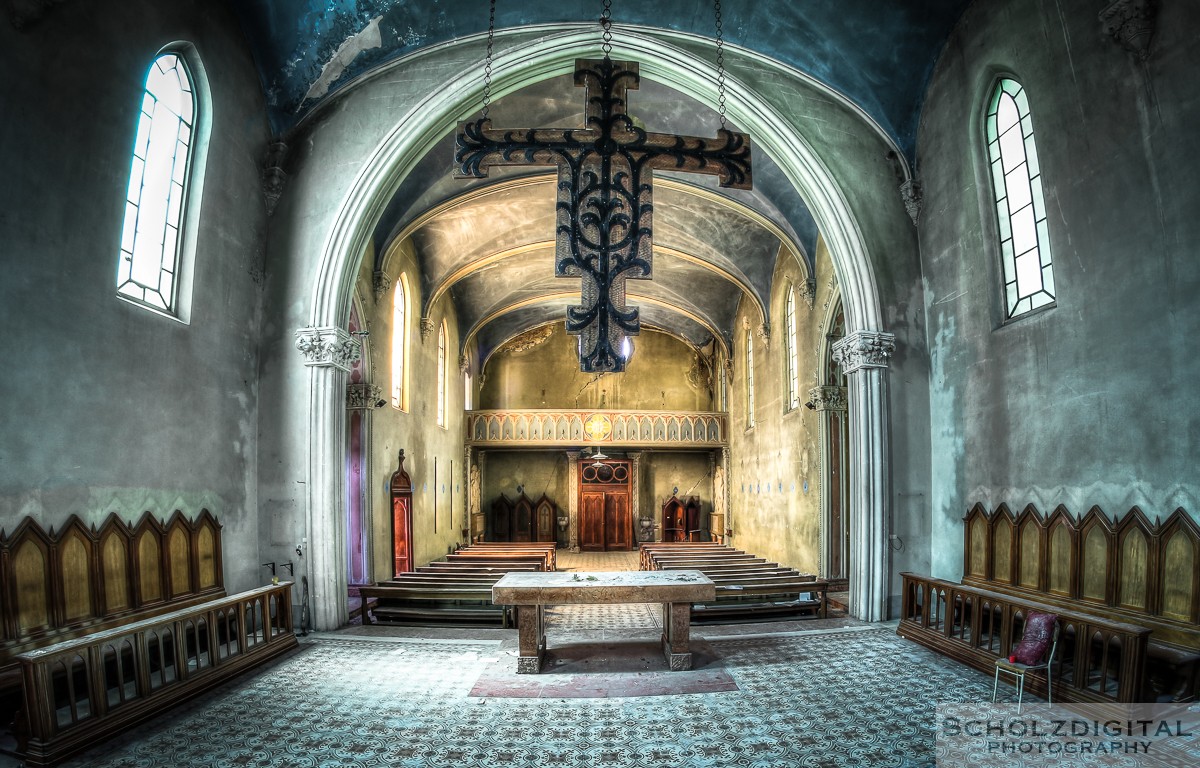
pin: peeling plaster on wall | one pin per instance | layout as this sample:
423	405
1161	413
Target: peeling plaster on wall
349	50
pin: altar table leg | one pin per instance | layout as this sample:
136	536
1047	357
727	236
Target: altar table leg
677	624
531	634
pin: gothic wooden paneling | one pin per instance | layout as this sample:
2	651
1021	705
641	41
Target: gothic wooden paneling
79	577
1131	567
115	556
1002	545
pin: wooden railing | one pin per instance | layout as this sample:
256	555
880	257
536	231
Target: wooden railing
608	428
95	686
1098	660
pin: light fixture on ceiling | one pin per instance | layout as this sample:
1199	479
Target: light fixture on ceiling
598	458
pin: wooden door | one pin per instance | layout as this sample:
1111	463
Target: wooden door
400	490
605	507
618	522
522	528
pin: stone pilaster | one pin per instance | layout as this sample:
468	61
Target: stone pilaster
573	500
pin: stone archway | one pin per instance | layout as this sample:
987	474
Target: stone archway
328	348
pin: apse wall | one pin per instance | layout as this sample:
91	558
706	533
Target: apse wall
541	370
1093	401
106	406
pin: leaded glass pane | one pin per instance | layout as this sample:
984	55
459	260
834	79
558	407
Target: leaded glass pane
157	186
1024	230
1016	183
1012	149
441	377
1029	274
1020	202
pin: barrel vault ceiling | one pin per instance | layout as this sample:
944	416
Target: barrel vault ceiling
487	244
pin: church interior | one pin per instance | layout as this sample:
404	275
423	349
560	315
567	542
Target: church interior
861	296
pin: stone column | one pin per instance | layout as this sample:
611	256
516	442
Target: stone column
863	357
573	500
328	353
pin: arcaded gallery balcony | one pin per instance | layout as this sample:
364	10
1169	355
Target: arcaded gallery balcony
563	428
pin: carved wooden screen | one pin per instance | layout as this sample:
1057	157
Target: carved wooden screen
522	520
500	521
1131	566
546	514
84	576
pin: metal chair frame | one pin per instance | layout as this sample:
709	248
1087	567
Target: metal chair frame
1018	672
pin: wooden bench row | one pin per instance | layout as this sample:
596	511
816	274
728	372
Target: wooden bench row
457	590
747	586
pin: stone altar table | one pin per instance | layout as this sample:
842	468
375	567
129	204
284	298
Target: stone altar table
531	592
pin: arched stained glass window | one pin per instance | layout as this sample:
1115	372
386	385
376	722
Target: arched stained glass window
749	380
793	359
148	267
1020	204
400	343
441	376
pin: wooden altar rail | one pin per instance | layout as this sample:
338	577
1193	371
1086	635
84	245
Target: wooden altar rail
82	690
1099	660
78	578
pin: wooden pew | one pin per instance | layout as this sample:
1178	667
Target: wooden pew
747	586
457	590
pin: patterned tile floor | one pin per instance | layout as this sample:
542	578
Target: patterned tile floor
848	695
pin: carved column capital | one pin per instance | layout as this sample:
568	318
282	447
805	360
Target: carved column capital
427	327
328	347
827	398
864	349
464	363
914	198
381	283
273	175
1130	24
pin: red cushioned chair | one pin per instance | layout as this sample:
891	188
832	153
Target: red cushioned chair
1035	653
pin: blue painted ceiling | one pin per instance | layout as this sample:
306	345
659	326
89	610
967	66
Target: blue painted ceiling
498	271
878	53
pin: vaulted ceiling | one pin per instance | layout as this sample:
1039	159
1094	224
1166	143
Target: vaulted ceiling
488	244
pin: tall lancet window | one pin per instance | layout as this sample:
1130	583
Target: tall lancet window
793	355
148	269
441	375
400	343
1020	204
749	380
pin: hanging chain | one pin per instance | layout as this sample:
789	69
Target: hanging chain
720	65
606	25
487	67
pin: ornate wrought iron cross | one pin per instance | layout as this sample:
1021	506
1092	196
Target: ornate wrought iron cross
604	210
